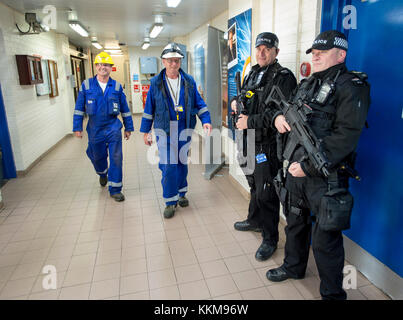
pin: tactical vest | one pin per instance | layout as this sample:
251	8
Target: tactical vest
261	89
323	115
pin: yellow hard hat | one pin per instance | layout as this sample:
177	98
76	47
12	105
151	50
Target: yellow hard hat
103	57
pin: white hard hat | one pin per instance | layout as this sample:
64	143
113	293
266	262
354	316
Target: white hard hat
172	50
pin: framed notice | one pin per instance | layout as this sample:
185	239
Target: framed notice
54	90
43	89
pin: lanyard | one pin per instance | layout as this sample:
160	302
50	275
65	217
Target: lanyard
175	95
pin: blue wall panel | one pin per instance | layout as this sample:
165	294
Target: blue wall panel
8	158
375	47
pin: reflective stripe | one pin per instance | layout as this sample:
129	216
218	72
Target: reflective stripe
202	110
147	116
117	86
183	189
103	172
115	184
175	198
87	84
78	112
127	114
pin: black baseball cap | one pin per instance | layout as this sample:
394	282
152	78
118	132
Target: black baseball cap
328	40
268	39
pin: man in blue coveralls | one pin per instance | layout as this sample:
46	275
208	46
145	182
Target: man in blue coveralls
103	99
172	104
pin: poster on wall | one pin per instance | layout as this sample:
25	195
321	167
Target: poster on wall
239	53
199	67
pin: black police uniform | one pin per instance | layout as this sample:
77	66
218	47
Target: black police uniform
264	203
339	123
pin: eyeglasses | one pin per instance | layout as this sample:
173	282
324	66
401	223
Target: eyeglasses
104	64
171	60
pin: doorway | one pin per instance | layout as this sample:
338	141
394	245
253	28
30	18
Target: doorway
77	68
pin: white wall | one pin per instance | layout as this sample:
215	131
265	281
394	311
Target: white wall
35	123
134	57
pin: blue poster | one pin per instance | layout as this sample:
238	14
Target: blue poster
199	67
239	52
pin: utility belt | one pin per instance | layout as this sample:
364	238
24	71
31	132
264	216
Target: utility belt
335	206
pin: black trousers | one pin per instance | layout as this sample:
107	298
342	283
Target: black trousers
264	205
303	197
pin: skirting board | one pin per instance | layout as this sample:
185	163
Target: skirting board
22	173
375	271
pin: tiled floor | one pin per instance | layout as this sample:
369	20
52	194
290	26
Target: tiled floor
59	215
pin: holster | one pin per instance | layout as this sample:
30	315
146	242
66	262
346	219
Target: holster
279	185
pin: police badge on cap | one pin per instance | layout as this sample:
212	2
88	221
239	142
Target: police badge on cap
328	40
268	39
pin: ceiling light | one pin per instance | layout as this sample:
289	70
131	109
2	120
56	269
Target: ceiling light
96	45
113	51
157	26
173	3
146	43
156	29
79	28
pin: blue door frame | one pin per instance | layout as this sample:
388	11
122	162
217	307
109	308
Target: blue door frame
9	170
375	48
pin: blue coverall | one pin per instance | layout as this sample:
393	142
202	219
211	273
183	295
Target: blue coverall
170	147
104	127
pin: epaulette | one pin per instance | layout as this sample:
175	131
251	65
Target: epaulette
359	77
356	77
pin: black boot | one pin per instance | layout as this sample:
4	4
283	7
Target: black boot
279	274
103	180
183	202
265	251
246	226
118	197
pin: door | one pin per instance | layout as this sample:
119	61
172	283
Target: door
77	68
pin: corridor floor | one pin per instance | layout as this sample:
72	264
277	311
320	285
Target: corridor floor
59	215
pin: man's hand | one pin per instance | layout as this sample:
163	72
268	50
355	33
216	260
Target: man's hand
281	124
127	135
148	139
242	122
207	128
296	171
234	105
79	134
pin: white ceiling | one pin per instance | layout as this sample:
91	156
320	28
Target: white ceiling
125	20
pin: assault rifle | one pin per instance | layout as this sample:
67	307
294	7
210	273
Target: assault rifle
296	114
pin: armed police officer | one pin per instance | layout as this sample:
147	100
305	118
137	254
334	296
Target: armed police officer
336	104
103	99
263	212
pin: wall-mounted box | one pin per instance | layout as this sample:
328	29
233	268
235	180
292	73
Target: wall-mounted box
148	65
29	69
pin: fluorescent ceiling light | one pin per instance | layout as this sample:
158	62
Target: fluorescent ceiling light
156	29
96	45
173	3
145	45
79	28
113	51
112	47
